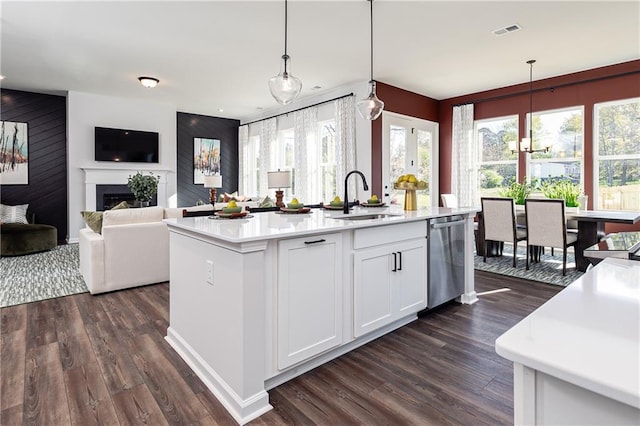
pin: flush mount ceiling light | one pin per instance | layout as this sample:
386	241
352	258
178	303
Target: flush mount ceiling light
149	82
371	107
285	87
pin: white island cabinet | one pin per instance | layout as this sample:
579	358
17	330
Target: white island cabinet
257	301
576	359
389	274
309	293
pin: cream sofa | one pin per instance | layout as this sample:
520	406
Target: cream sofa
133	248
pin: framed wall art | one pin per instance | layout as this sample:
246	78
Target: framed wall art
14	153
206	158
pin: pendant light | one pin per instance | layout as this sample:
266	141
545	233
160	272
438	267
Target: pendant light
371	107
285	87
526	144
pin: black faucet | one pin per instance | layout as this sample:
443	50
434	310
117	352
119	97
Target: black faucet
346	196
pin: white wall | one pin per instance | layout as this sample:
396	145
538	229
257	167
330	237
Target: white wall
363	127
86	111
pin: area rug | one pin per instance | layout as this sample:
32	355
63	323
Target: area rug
40	276
549	270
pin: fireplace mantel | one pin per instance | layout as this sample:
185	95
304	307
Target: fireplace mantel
109	176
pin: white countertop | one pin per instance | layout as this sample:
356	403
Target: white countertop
270	225
588	334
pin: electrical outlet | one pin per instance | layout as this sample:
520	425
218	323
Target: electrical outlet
210	272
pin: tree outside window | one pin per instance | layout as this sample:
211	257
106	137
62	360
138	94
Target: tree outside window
617	155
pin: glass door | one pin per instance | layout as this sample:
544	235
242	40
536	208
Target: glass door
410	146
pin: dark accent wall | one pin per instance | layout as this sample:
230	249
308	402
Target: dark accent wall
46	193
402	102
201	126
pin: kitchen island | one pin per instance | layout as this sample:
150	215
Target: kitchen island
258	300
576	358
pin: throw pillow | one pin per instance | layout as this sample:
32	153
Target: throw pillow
267	202
13	214
94	219
228	197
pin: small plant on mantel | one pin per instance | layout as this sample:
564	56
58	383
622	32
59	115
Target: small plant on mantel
516	190
562	188
143	187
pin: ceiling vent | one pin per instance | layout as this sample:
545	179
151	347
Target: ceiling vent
507	29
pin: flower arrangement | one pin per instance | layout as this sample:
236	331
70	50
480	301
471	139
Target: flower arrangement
143	187
562	188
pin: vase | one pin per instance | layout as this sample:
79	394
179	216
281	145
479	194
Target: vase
140	203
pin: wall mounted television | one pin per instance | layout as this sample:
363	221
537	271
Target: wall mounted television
131	146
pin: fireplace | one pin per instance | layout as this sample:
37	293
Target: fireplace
108	196
114	180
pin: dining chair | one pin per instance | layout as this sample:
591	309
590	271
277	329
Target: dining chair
499	222
547	227
449	200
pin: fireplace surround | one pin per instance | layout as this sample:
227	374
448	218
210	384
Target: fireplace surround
116	181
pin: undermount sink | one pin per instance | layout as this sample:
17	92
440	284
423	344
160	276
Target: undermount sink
364	216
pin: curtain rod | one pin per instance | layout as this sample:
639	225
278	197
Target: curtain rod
299	109
552	88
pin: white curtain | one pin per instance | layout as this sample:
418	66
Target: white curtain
268	135
346	144
306	165
244	185
464	157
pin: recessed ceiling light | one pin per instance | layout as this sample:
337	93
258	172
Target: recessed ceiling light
220	110
1	77
149	82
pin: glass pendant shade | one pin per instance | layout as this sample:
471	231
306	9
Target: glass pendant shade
371	107
285	87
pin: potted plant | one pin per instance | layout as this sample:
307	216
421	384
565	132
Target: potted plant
516	190
143	187
562	188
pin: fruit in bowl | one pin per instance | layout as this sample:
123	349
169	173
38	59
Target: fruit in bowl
295	204
409	181
232	207
336	202
373	200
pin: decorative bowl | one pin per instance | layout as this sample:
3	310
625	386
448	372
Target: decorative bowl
231	209
372	201
295	206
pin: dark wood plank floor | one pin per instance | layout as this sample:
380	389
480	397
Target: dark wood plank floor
102	360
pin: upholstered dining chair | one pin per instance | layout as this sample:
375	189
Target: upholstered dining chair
547	227
449	200
499	221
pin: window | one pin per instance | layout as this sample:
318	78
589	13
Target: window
617	155
562	130
497	165
251	166
410	145
327	156
317	144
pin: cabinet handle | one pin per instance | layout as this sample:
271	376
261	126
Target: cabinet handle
316	241
395	262
400	261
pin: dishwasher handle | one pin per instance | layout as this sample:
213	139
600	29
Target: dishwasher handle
447	224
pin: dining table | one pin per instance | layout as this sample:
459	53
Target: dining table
591	228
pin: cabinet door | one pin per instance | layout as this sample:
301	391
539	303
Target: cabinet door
410	278
309	295
372	289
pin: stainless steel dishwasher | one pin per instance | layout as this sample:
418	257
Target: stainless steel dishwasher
445	259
